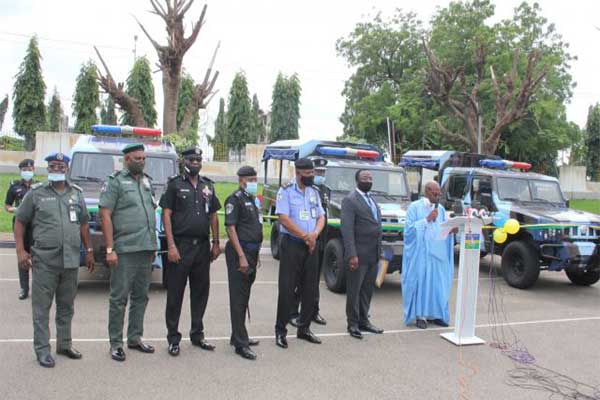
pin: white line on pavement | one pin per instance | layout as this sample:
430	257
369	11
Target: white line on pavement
339	334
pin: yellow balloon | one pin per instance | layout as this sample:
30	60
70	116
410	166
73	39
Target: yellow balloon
511	226
500	236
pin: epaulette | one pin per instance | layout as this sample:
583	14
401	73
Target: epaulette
205	178
76	187
147	176
286	185
114	174
37	186
237	193
316	188
173	178
13	182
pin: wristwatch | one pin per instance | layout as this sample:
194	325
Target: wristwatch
90	249
215	241
109	250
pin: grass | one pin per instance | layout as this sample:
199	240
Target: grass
592	206
223	189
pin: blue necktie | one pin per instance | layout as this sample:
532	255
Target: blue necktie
371	204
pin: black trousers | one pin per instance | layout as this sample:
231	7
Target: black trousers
360	285
239	292
297	291
296	267
195	266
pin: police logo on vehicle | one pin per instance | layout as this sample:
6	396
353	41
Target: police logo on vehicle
228	208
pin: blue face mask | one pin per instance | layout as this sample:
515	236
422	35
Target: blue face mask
319	180
27	175
56	177
252	188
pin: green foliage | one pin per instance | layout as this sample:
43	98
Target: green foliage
55	113
11	143
285	108
180	142
259	130
186	92
220	140
86	99
239	113
141	88
29	110
593	142
389	77
108	115
3	108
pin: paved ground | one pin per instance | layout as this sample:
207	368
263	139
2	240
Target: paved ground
560	324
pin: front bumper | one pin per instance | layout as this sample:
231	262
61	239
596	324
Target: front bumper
583	255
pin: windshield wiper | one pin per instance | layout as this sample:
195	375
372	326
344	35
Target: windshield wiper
385	194
510	199
88	178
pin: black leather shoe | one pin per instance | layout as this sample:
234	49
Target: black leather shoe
294	322
253	342
23	294
281	341
141	346
203	344
370	328
117	354
440	322
246	353
174	349
308	336
355	332
46	361
421	323
70	352
317	318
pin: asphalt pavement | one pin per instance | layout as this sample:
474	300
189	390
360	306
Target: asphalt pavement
556	321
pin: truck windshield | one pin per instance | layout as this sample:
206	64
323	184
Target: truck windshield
97	166
529	190
390	182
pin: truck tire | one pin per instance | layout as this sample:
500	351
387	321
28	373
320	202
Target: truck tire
583	278
520	266
333	266
275	240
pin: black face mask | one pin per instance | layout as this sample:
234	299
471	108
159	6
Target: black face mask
365	187
136	168
193	171
307	180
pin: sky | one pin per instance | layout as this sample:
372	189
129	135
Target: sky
261	38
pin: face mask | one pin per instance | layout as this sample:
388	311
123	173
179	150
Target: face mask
27	175
319	180
307	180
136	168
252	188
56	177
193	171
365	187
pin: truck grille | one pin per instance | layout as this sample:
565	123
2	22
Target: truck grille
580	232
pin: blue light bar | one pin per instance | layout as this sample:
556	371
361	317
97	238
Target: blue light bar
114	129
501	164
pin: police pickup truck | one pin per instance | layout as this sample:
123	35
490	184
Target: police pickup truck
390	190
94	158
552	237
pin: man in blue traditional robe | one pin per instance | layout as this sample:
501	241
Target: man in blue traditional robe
427	262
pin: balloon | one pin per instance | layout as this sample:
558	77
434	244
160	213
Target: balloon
511	226
500	236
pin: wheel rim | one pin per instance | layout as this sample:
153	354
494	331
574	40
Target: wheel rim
332	263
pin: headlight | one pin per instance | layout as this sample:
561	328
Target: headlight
583	230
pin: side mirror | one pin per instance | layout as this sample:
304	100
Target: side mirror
568	203
414	196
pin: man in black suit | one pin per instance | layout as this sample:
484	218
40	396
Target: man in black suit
361	231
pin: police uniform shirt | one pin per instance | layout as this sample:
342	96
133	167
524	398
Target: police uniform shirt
55	219
303	208
16	192
242	212
191	206
133	212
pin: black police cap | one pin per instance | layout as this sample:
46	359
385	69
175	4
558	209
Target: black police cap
246	170
304	163
28	162
320	163
194	151
133	147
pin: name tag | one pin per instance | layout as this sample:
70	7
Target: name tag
72	215
303	215
313	212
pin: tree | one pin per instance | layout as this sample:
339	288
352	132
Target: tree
593	142
108	115
285	108
186	93
170	57
86	99
3	108
141	88
220	140
55	113
239	113
259	130
29	110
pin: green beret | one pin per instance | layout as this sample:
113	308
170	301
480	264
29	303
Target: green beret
246	170
304	163
133	147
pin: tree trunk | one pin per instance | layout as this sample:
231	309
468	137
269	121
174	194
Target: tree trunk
171	97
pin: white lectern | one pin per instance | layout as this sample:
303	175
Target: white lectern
468	279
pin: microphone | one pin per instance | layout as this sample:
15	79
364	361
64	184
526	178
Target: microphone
436	205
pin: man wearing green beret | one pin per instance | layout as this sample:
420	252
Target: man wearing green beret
127	212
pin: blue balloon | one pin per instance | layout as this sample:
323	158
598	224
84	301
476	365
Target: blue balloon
499	219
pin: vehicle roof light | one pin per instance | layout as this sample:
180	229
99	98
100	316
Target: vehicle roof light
125	129
504	164
347	152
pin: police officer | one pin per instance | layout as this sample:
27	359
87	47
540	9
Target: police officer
14	196
58	216
127	212
302	219
190	207
319	181
244	228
